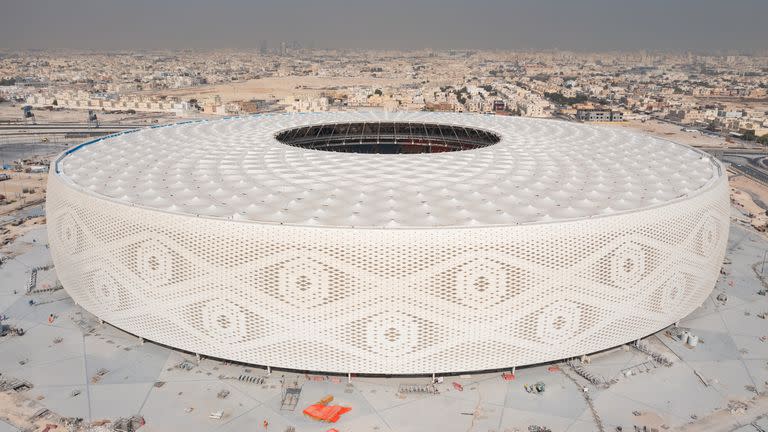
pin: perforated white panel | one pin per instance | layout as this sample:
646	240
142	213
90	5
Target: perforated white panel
395	301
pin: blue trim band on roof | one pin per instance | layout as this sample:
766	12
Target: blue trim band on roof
87	143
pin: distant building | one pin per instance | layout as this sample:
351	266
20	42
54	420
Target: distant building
599	115
531	107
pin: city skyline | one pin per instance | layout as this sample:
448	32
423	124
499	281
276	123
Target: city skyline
592	25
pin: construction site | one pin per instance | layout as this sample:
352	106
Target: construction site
63	369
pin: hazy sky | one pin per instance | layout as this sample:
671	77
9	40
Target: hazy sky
588	25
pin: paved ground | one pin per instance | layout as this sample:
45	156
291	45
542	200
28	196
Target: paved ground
64	356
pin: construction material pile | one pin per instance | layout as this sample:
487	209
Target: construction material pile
324	412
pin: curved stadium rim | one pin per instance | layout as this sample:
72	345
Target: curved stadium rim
712	182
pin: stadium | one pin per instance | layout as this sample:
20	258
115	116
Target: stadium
387	243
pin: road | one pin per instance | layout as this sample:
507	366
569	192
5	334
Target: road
67	126
80	131
11	150
704	131
748	166
733	151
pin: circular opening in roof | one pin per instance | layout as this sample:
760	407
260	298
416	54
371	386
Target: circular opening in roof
387	137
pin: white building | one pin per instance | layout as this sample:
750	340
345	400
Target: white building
392	243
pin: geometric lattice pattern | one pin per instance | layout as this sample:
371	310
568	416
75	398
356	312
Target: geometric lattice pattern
392	301
387	301
540	171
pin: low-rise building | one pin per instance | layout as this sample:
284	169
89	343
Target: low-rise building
599	115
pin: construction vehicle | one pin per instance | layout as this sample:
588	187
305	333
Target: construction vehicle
537	388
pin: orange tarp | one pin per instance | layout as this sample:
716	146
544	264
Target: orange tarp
326	413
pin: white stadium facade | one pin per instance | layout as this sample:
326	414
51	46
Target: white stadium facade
387	243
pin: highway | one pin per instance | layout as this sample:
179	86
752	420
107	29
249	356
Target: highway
80	131
15	150
720	134
747	166
733	151
68	126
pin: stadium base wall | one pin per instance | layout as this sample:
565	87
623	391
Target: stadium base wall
387	301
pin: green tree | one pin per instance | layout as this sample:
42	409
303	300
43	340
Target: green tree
558	98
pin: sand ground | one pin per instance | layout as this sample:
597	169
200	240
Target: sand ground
276	87
12	113
750	196
14	190
674	133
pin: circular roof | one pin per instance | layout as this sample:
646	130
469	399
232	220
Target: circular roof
540	171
